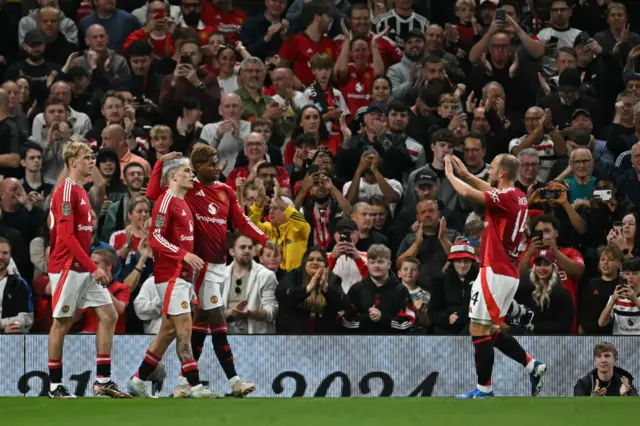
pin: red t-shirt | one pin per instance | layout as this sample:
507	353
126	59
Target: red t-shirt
298	50
71	225
160	47
211	205
227	23
505	220
171	238
122	293
356	87
243	172
119	239
390	53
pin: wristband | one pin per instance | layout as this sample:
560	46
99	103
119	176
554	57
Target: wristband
137	269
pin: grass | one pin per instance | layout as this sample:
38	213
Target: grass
317	411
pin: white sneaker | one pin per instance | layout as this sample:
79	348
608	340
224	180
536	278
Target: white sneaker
182	389
200	392
138	388
240	388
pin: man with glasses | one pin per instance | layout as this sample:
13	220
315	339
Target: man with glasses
254	102
474	151
582	183
559	34
542	136
527	179
248	291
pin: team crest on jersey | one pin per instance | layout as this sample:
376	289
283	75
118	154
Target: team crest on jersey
184	304
66	209
159	221
65	308
222	196
214	299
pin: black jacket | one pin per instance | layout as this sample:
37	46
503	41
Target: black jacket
16	297
292	318
562	113
557	317
593	296
252	36
585	385
392	299
450	294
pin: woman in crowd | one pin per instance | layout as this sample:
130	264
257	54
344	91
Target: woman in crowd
595	293
543	293
606	379
624	236
26	102
381	211
271	259
128	239
380	89
310	297
108	166
451	291
227	70
310	122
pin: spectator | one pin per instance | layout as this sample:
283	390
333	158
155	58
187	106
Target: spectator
254	102
528	171
409	272
16	304
224	18
542	292
559	34
141	12
227	69
542	136
361	214
603	158
398	122
380	304
264	33
148	306
120	293
35	185
323	205
381	89
606	379
430	242
58	47
248	291
622	132
127	238
345	260
300	48
617	40
287	227
272	259
161	142
451	291
310	297
156	31
228	136
623	306
435	47
108	168
12	137
273	154
117	217
310	132
79	121
624	236
145	82
595	293
188	126
188	82
66	26
474	150
115	22
381	213
114	137
400	21
55	133
629	180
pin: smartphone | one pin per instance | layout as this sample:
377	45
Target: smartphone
604	194
145	182
501	15
537	234
617	225
549	194
345	238
313	168
186	59
159	15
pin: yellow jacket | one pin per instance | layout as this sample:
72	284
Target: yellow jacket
292	236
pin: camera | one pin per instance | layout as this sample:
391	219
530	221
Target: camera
604	194
186	59
549	194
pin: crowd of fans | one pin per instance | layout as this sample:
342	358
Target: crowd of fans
331	120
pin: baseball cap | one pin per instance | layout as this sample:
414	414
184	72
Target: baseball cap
34	37
426	176
630	76
139	48
570	80
346	224
462	250
547	255
631	265
579	112
415	33
376	106
488	4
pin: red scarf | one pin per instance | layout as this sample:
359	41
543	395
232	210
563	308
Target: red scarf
321	233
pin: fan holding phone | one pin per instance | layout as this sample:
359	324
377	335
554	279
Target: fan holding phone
623	307
623	234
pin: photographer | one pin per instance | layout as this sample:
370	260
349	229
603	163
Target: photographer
605	379
623	308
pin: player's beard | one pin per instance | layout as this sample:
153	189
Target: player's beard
493	182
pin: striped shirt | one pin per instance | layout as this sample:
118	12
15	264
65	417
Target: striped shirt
399	26
626	317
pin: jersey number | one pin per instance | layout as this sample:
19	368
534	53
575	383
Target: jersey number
474	297
521	223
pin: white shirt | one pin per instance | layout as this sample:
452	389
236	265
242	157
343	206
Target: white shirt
347	269
626	317
368	190
228	85
229	146
148	306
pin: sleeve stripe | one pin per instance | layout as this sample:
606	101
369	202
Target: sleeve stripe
164	205
159	238
66	194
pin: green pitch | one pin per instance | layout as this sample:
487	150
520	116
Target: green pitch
317	411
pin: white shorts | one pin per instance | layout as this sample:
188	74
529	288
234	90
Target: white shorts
73	290
176	296
208	284
491	297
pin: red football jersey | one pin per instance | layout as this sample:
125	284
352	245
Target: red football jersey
227	23
298	50
356	87
243	172
71	225
119	239
171	238
504	224
390	53
212	206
